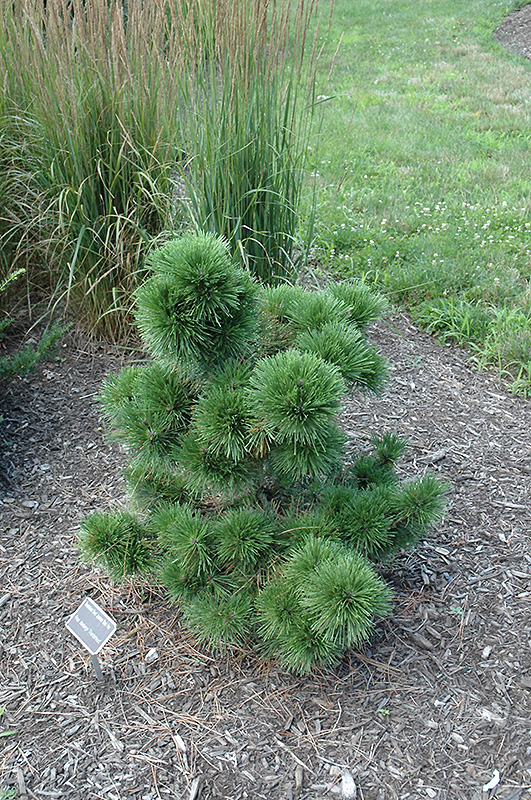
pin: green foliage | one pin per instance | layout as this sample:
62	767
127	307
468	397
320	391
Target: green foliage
369	471
220	619
199	310
10	278
124	121
302	648
364	519
330	324
23	360
280	301
388	448
119	540
243	508
148	482
223	420
90	121
277	605
326	599
185	535
456	319
244	537
296	395
364	306
213	472
508	344
342	598
294	461
341	344
150	408
417	504
247	178
429	207
316	309
249	109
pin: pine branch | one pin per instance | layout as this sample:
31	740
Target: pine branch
119	541
342	345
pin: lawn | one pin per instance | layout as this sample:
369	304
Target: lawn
420	164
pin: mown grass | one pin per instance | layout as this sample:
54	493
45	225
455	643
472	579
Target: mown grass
423	171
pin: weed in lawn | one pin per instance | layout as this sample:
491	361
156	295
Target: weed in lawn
456	320
508	345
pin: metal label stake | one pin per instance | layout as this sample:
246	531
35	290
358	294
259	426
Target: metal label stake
93	627
97	667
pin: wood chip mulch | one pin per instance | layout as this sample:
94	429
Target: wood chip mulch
436	706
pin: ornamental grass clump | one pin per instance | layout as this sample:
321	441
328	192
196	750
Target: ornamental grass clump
242	503
121	120
248	90
89	105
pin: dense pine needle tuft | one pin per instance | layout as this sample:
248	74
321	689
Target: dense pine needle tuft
417	505
250	518
343	346
243	538
196	307
343	597
119	541
219	620
302	648
298	394
276	606
183	533
388	447
363	305
223	422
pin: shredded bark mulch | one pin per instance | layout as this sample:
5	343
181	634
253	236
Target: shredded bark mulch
515	32
434	707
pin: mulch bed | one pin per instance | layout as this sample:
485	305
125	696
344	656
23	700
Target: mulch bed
435	703
515	32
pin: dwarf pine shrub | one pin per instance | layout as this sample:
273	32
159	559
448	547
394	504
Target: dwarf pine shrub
242	504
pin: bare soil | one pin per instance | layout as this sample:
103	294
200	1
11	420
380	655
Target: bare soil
515	32
435	706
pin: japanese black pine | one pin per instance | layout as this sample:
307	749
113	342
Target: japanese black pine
242	502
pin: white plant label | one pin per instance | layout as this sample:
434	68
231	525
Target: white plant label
492	783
